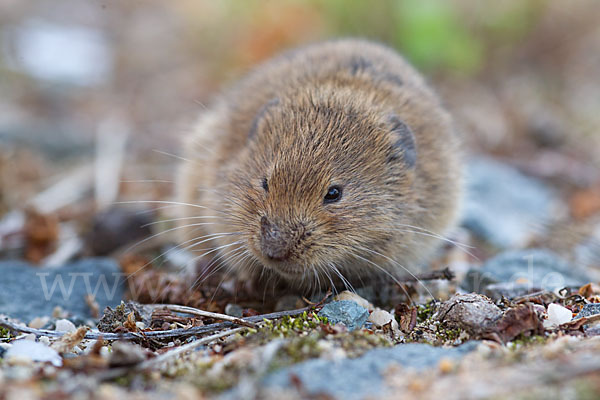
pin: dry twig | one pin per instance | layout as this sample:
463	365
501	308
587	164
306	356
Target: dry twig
202	313
443	274
172	333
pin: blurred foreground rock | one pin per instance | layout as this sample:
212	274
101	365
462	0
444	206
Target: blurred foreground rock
363	376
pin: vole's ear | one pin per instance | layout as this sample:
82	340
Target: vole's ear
260	115
403	142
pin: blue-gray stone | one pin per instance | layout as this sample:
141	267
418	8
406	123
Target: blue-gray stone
363	376
346	312
537	268
27	291
503	206
588	310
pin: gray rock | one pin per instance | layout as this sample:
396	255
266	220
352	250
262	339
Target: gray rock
363	376
27	292
234	310
588	310
504	206
538	268
471	312
346	312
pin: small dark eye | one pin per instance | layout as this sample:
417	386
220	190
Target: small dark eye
265	184
334	193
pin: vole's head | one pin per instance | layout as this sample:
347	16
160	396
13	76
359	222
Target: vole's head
324	178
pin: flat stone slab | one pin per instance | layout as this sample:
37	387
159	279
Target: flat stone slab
27	291
363	376
535	268
503	206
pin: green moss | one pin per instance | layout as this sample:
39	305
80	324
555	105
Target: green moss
124	380
5	333
292	326
426	311
522	341
445	335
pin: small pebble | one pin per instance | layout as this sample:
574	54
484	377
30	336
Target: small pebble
350	296
345	312
126	354
38	322
446	365
234	310
45	340
64	325
58	312
557	315
381	317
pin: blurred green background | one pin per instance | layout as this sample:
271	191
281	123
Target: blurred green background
519	76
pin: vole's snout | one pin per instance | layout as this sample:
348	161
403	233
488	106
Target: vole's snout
274	243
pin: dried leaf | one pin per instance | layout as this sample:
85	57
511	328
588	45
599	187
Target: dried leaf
407	317
70	340
521	319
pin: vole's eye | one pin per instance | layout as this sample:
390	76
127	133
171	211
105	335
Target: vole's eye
334	193
265	184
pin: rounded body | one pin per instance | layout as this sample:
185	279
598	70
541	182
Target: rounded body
328	163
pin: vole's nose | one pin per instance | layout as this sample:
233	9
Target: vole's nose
274	243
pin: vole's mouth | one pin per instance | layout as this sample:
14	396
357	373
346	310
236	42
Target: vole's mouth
285	268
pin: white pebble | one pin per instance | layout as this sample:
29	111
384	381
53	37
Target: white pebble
64	325
557	315
45	340
380	317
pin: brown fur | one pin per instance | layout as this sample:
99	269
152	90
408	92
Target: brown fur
314	117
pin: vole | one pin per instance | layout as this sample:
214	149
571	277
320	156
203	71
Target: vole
331	162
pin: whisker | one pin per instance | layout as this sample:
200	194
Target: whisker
172	203
198	241
179	219
389	274
224	258
159	234
173	155
346	283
